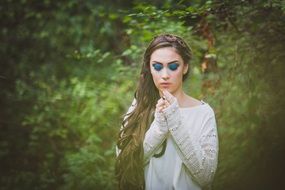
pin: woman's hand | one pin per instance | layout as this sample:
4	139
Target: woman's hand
166	100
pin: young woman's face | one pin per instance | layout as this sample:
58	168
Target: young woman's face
167	69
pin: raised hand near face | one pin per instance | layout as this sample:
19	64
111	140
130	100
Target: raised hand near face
166	100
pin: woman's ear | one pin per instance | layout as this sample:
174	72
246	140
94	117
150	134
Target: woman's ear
185	68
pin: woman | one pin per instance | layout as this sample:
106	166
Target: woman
168	139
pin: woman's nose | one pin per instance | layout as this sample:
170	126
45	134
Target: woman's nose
164	74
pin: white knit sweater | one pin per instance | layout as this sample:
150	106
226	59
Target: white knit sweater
191	155
193	132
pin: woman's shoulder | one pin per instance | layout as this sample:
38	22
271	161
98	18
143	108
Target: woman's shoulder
131	108
200	107
208	109
190	101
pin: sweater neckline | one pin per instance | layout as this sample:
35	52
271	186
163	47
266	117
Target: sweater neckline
194	107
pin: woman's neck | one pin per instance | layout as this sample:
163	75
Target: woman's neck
180	95
184	100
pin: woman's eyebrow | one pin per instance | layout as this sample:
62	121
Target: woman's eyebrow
175	61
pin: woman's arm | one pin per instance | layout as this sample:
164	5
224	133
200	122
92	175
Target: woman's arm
200	154
154	136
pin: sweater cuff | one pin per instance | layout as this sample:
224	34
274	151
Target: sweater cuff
172	114
160	120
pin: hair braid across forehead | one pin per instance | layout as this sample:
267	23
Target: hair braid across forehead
171	39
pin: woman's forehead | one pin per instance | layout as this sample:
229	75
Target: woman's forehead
165	55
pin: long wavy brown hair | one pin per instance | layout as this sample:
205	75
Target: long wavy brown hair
130	161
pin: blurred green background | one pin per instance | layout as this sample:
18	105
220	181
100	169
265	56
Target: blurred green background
69	70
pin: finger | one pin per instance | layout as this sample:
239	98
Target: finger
159	105
157	110
162	104
168	96
160	109
166	103
160	101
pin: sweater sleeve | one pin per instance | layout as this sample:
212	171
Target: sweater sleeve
154	136
200	154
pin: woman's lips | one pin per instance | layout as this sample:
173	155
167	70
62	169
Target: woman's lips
165	84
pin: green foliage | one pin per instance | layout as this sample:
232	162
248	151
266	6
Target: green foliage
70	71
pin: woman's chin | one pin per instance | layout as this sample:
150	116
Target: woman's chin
170	90
164	88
